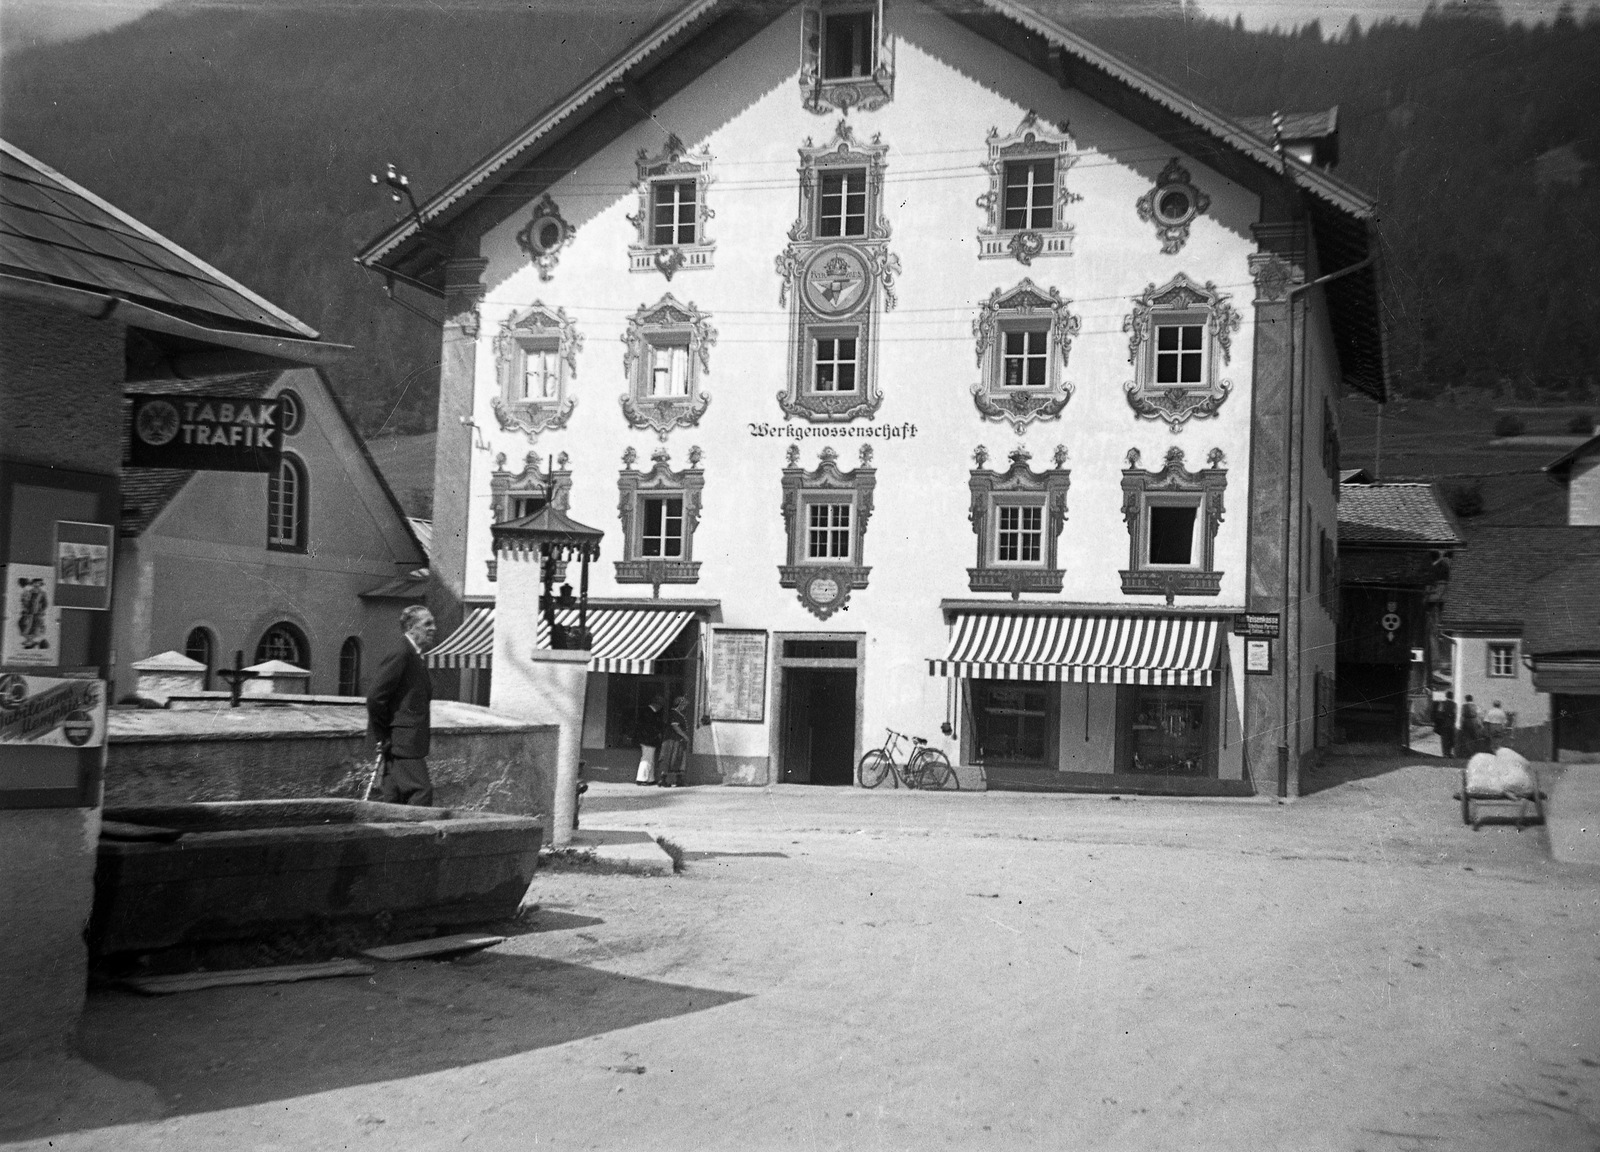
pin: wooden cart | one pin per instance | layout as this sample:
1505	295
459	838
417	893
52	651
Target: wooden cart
1474	801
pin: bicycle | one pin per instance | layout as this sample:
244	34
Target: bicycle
926	767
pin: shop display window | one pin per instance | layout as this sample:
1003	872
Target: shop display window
1169	731
1013	723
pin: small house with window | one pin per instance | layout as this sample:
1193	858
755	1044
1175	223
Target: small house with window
315	576
933	369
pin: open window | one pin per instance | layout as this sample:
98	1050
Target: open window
1024	337
673	211
536	358
1172	517
1017	516
825	515
1027	197
846	58
1180	337
668	350
660	510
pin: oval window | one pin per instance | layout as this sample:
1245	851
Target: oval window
1174	204
548	235
291	412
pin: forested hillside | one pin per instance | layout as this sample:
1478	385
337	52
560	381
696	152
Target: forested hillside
247	134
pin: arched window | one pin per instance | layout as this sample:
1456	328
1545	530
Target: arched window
288	493
350	667
291	412
283	641
200	646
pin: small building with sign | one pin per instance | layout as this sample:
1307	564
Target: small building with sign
931	369
91	303
308	561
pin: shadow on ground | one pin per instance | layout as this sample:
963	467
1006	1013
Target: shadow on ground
1337	770
230	1047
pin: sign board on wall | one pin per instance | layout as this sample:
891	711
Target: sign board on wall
211	433
738	675
32	623
1258	657
1257	625
47	712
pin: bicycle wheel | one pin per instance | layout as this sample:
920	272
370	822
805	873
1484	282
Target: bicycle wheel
937	771
874	766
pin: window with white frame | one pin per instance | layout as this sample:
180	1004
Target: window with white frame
834	363
1024	337
842	203
673	211
660	509
536	357
288	497
1027	196
1179	336
668	350
1018	515
1173	516
1026	357
1030	195
1180	353
846	62
1019	533
825	515
1502	660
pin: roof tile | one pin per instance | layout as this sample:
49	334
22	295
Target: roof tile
1492	580
1394	514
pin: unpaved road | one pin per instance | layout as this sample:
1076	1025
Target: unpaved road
839	969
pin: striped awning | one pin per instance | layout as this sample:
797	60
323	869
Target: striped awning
469	646
626	640
1082	648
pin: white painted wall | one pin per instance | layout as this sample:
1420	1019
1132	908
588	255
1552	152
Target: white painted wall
951	88
1583	492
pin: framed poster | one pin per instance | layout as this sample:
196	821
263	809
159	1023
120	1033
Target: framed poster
1258	657
47	712
33	621
83	565
738	675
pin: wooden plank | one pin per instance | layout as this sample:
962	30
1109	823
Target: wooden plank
281	974
438	946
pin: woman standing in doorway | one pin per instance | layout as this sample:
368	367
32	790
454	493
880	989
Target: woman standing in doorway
675	746
649	732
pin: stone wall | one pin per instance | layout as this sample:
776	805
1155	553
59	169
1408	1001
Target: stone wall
479	760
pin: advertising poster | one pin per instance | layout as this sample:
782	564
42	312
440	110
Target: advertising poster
32	620
83	565
44	711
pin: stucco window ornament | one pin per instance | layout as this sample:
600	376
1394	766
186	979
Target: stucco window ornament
673	212
1172	517
1025	206
846	57
1179	337
825	514
515	495
1018	515
660	510
1024	337
545	234
536	359
1172	205
668	351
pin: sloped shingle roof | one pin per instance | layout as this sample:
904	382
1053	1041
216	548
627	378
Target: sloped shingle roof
1491	581
1394	514
1564	609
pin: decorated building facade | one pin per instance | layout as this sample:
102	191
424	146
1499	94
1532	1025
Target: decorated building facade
928	369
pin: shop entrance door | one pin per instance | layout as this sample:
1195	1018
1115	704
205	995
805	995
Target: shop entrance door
1577	723
819	725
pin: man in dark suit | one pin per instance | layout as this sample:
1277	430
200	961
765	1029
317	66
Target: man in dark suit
398	713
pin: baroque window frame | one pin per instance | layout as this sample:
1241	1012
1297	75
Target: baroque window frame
1179	299
674	164
824	585
533	238
552	488
553	330
659	482
1174	484
1026	306
1019	485
1172	230
1032	140
666	323
822	95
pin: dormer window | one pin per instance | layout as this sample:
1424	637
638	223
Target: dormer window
846	60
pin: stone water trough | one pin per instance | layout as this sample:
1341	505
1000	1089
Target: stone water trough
204	873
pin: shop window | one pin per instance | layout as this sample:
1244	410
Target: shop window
536	357
1027	197
1172	205
1180	336
628	698
825	515
846	60
201	646
350	667
283	641
673	211
1170	730
668	351
1013	724
1503	660
288	497
660	510
1172	517
837	275
1017	516
1024	338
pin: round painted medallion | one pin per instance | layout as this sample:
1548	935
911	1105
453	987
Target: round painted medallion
836	281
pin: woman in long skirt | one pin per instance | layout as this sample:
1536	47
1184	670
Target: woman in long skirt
674	746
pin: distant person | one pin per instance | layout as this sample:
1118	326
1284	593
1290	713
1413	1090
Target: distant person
674	746
1444	723
1495	723
1471	728
649	731
399	713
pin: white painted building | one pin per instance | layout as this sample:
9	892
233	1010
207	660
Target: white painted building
926	367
